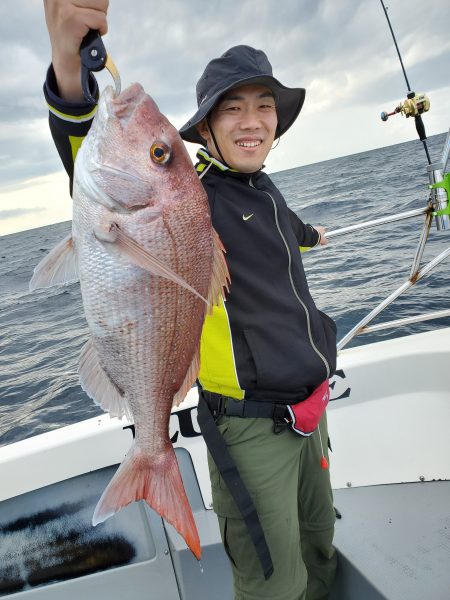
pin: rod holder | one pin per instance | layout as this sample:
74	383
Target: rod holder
439	196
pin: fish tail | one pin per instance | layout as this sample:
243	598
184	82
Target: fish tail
157	480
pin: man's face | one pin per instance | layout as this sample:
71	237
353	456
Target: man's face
244	123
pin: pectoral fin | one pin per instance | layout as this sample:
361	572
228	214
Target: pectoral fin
141	257
59	266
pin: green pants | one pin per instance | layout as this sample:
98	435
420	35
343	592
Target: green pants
292	494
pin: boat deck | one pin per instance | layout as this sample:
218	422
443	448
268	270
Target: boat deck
394	542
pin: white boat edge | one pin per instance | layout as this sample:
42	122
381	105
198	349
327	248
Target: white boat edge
388	420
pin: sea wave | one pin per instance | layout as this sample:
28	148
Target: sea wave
43	331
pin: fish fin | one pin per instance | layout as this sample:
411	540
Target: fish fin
141	257
158	482
220	277
59	266
98	386
189	380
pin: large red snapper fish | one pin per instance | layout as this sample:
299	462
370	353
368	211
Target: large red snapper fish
149	264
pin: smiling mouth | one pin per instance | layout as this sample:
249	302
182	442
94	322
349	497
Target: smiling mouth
252	144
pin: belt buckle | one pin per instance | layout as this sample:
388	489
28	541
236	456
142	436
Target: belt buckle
280	422
220	406
235	408
215	403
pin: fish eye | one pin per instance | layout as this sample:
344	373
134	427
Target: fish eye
160	153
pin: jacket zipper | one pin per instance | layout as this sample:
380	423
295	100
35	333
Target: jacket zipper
308	320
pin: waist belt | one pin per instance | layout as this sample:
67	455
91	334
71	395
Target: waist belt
225	405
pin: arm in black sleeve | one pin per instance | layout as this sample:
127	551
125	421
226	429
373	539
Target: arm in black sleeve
306	235
69	122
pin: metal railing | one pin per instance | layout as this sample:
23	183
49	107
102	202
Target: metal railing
438	200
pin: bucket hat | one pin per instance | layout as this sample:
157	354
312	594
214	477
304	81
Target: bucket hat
241	65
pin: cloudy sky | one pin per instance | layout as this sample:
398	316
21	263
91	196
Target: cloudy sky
341	51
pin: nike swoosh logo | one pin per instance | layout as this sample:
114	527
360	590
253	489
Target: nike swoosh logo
246	218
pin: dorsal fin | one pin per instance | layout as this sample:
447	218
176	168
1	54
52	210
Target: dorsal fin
220	277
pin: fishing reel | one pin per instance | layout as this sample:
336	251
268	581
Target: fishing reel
413	106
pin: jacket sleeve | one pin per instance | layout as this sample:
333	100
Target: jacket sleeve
306	235
69	122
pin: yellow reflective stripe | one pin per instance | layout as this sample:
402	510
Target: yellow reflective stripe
72	118
217	364
75	143
304	248
218	164
201	167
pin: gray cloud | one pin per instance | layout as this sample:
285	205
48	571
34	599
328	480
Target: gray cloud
12	213
342	52
26	150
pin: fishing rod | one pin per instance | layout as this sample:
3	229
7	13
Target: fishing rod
438	206
415	104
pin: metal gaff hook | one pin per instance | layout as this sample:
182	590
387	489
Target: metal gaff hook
94	58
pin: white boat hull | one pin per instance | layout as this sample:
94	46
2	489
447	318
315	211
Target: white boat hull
388	422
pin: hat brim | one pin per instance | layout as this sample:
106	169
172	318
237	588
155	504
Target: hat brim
289	102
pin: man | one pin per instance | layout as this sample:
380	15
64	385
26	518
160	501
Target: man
266	346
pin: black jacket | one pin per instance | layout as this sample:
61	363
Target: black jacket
267	340
283	346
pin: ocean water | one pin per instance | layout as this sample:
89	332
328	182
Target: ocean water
42	333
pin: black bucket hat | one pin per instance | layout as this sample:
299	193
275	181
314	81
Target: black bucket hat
241	65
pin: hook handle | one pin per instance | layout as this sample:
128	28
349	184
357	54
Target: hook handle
93	58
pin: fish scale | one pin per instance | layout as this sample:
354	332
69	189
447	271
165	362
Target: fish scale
149	263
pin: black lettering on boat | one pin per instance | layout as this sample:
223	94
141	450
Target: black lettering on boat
186	424
346	393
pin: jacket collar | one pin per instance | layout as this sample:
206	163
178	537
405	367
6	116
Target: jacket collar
206	161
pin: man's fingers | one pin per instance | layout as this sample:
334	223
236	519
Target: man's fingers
96	13
91	19
68	21
96	4
322	231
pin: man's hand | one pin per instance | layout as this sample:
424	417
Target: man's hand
68	21
321	230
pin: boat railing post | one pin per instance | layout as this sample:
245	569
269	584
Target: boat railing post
421	246
423	272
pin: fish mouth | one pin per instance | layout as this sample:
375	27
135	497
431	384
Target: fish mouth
133	94
123	106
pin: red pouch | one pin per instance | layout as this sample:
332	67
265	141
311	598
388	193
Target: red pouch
306	415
